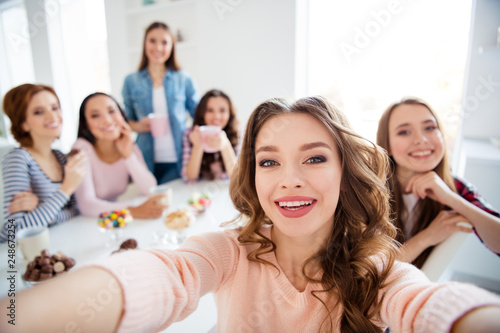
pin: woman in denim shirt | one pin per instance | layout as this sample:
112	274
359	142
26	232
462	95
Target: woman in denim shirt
162	89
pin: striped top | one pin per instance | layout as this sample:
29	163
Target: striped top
22	173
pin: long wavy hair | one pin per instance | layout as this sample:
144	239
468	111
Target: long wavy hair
231	128
171	62
362	230
426	209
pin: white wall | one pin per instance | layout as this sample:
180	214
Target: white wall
245	48
481	117
249	54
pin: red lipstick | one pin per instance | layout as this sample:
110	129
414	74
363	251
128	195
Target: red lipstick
299	207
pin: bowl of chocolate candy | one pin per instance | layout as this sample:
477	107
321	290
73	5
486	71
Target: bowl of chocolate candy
45	267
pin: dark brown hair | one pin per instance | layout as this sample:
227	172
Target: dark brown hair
426	209
362	230
171	62
83	127
231	128
15	105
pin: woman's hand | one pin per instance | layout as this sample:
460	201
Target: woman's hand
74	170
445	224
144	125
217	142
141	126
124	143
151	209
430	185
24	201
195	136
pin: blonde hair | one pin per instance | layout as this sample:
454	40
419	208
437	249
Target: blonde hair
426	209
362	227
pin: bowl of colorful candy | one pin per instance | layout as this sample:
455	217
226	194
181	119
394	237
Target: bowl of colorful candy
199	201
115	219
113	223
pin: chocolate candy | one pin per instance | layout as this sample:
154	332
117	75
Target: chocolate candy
45	276
45	266
68	262
73	152
59	267
129	244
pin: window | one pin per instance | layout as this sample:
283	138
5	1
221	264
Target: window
76	62
367	54
15	48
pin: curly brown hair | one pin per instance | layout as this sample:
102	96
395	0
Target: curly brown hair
362	229
15	105
427	208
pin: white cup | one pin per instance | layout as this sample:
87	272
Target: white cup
32	241
208	130
158	125
166	190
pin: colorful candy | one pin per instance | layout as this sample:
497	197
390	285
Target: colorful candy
115	219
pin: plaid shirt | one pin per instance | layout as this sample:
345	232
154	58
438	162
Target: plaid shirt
466	190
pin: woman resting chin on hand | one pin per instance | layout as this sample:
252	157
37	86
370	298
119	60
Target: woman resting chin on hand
429	203
113	159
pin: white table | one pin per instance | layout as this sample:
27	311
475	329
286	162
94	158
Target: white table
82	240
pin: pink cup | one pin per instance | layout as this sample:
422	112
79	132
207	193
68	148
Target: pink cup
158	125
207	131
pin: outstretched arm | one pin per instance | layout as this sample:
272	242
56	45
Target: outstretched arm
82	306
484	319
413	304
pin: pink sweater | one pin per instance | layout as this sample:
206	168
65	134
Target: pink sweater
104	182
161	287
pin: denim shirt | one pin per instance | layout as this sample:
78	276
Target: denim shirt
181	95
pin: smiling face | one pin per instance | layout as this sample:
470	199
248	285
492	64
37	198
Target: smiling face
415	140
43	117
217	112
298	175
158	46
104	119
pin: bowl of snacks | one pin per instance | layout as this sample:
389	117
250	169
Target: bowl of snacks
176	223
113	224
199	201
46	266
